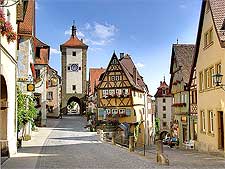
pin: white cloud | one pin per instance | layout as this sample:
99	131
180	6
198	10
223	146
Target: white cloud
67	32
104	31
80	34
140	65
54	51
37	6
182	6
87	26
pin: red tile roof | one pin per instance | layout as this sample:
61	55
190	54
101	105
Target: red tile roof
94	75
218	13
44	52
28	25
74	41
129	66
163	86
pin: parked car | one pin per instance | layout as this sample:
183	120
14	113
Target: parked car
166	140
173	141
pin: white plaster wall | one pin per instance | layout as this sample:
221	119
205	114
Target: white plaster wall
74	78
168	110
8	70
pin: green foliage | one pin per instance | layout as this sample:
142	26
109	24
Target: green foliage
26	110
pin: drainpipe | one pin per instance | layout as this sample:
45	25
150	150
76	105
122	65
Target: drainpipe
189	114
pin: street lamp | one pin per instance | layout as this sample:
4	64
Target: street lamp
217	80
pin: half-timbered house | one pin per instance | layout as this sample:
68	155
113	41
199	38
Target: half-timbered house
122	95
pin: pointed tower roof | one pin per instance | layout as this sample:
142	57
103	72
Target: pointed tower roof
163	86
74	41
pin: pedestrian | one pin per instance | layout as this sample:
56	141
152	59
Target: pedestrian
60	115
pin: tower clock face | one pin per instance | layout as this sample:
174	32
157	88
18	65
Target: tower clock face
74	67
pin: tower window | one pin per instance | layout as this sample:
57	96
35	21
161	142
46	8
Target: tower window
164	115
164	100
74	87
74	53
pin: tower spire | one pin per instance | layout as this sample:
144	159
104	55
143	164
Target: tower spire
74	29
163	78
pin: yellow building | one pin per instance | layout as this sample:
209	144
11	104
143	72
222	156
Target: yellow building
122	95
210	59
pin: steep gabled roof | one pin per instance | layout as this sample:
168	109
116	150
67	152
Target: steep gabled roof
129	66
94	75
39	43
183	54
28	24
74	42
218	13
163	86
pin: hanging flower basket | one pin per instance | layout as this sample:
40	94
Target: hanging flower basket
6	28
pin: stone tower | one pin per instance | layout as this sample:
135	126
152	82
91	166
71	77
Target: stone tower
74	62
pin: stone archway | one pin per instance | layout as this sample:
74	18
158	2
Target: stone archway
74	106
3	117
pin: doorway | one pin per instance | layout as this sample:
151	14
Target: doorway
74	106
221	130
3	117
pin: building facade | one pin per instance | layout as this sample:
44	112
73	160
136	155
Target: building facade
180	70
163	100
8	70
122	95
41	68
74	63
53	93
209	60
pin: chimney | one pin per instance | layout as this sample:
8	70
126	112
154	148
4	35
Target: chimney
135	75
82	40
121	55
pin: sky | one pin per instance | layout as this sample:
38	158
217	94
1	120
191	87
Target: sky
145	29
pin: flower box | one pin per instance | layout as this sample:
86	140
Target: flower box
179	105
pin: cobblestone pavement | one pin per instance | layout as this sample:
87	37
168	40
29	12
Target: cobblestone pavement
70	146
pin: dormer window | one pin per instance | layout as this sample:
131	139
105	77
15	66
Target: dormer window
163	91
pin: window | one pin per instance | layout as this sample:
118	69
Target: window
118	92
122	111
211	74
164	124
74	53
164	100
114	61
208	37
113	78
164	108
108	111
38	52
74	87
117	78
134	113
8	15
140	95
211	121
38	73
114	111
105	93
194	96
164	115
111	92
163	91
201	81
50	96
203	120
218	68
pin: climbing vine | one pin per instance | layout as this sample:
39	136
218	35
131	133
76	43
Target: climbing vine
26	110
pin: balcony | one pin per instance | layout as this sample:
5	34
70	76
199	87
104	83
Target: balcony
179	105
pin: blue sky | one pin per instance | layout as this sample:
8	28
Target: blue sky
145	29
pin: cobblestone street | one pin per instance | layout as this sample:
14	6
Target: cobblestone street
69	145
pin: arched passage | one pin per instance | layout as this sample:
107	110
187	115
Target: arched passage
3	116
74	105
